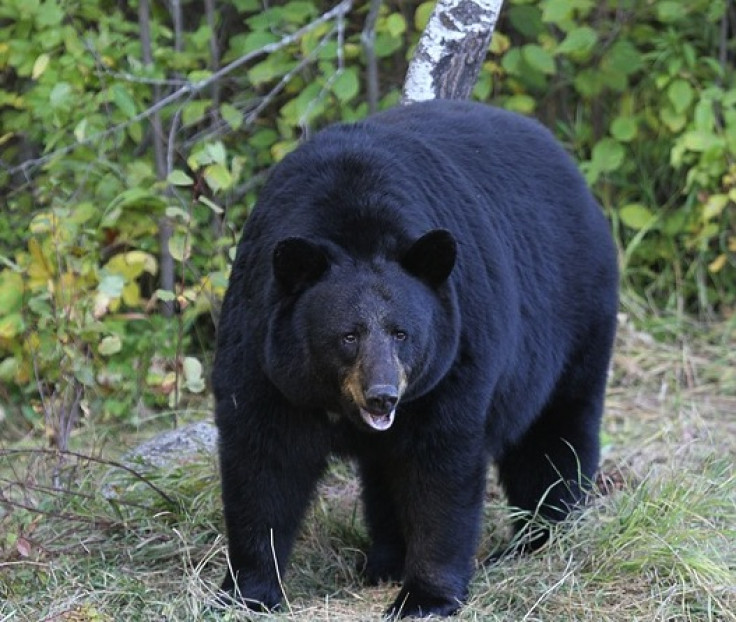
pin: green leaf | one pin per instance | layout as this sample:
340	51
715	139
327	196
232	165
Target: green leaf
111	285
194	112
624	129
386	44
704	116
216	153
11	292
11	326
395	24
579	43
422	14
671	11
588	83
218	177
60	95
622	58
263	138
253	41
527	20
714	206
699	140
138	198
538	58
123	100
346	85
298	11
674	121
179	178
49	15
80	130
636	216
211	204
9	369
193	379
175	212
110	345
180	247
608	155
84	212
231	115
680	94
521	103
556	11
164	295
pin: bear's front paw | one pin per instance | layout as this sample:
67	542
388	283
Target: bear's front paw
382	566
247	592
417	602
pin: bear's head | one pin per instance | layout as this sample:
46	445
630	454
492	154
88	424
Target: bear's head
356	337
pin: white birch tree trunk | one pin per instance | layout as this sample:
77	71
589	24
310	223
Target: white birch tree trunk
451	50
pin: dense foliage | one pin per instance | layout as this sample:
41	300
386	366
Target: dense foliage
130	158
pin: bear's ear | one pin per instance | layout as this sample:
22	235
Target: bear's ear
431	257
297	263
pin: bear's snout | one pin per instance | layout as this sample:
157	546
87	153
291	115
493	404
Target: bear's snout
381	399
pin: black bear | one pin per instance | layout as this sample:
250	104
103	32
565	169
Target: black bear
425	291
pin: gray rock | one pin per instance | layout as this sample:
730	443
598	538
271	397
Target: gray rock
161	452
174	446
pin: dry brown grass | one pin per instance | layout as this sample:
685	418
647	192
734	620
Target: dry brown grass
658	542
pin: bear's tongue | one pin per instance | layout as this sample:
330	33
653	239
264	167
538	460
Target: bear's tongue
378	421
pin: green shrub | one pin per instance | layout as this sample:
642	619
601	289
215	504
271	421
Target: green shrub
115	215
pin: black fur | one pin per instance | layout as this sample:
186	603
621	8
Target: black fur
450	242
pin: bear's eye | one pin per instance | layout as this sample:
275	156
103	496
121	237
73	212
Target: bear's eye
399	335
350	338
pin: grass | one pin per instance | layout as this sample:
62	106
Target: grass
656	542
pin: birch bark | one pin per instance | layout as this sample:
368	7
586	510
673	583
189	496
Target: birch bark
451	50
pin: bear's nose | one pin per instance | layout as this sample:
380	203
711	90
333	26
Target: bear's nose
381	398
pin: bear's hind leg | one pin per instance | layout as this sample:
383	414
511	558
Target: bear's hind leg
548	471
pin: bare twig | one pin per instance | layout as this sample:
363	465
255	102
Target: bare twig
104	461
176	18
51	490
209	9
368	39
144	25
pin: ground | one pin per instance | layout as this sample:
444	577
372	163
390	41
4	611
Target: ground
657	542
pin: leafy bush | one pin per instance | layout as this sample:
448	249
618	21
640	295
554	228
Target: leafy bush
644	94
134	142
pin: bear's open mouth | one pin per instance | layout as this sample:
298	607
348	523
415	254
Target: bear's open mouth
378	421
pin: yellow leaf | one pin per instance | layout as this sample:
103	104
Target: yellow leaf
102	304
132	264
149	262
33	342
39	272
500	43
42	62
714	205
732	244
132	294
11	325
44	222
717	264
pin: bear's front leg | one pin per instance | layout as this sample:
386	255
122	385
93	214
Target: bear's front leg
440	495
268	477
